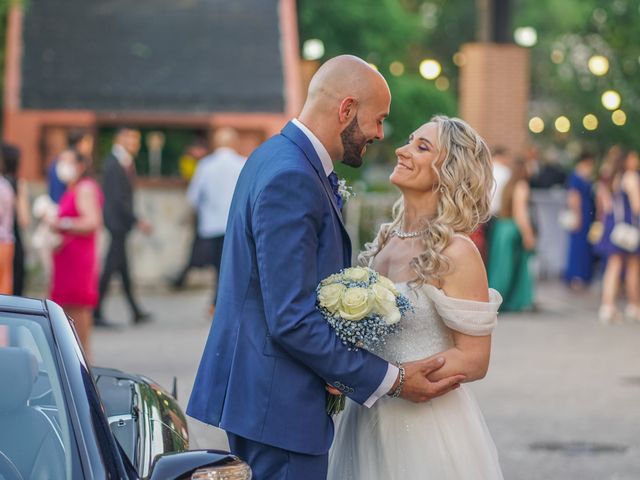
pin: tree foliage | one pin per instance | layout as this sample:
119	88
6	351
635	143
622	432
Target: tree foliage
383	32
410	30
570	32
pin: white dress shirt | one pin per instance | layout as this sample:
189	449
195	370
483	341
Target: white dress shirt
392	371
7	206
211	190
327	163
122	155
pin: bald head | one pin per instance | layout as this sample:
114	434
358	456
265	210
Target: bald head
346	76
225	137
347	102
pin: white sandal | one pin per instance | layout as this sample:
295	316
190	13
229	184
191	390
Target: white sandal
608	314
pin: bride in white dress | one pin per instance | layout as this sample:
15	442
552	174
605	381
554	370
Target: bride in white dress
445	176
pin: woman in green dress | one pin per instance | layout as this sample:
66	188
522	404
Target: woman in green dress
512	244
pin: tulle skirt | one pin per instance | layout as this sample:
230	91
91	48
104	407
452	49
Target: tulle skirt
444	439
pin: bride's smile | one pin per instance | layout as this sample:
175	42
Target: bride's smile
415	170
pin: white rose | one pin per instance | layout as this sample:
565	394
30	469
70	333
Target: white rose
383	299
335	278
393	316
356	274
388	284
330	296
356	304
385	303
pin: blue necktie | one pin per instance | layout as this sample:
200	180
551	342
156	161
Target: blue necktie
333	180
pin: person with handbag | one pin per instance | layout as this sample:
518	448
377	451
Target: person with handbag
621	240
579	215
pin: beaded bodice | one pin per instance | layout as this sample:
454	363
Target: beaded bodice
422	332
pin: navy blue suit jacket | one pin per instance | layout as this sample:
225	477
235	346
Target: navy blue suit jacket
270	353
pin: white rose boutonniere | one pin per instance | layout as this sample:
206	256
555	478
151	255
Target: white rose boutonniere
344	190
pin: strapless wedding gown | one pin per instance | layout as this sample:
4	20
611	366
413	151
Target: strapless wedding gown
443	439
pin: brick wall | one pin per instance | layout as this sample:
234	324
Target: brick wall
494	92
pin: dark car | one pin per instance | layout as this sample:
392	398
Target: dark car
61	419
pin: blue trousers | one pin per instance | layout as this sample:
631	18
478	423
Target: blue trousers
273	463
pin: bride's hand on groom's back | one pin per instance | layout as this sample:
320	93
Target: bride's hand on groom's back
418	388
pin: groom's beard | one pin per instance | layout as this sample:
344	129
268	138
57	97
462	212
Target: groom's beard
353	142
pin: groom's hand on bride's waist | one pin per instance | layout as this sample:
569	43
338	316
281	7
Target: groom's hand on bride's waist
418	388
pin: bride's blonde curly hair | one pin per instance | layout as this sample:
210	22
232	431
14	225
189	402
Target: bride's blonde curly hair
465	183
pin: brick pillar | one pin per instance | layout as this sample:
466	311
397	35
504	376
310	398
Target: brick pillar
494	92
308	69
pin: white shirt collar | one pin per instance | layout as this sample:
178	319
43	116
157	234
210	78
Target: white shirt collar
122	155
327	164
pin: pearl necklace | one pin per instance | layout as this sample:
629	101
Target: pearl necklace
400	234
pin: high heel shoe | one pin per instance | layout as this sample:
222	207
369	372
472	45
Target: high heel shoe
632	313
608	314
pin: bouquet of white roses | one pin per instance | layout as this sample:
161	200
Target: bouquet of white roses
363	307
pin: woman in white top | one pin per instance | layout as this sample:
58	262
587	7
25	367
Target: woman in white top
444	174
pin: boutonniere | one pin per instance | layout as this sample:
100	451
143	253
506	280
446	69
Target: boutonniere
344	190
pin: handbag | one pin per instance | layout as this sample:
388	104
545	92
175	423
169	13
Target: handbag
624	235
596	230
568	220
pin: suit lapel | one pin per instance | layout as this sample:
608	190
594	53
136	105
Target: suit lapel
294	134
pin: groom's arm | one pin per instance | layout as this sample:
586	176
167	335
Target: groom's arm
287	222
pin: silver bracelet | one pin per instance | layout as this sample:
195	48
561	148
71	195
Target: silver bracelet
398	391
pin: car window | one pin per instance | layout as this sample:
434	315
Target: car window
35	433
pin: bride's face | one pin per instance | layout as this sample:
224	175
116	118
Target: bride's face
414	170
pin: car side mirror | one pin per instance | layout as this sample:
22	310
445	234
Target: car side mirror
199	465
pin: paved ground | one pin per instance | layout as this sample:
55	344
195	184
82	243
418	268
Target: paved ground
562	398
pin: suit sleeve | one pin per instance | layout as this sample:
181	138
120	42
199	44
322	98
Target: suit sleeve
286	222
114	186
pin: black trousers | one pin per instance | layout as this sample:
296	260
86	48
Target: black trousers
218	244
205	251
18	265
116	262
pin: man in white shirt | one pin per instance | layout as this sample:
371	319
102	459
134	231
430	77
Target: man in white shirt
210	193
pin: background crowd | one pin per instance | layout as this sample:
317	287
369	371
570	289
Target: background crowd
65	224
601	221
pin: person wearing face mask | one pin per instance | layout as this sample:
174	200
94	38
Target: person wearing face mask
75	273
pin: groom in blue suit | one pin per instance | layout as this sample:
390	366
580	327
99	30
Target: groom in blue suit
270	354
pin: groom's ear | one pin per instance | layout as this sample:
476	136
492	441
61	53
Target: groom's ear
347	110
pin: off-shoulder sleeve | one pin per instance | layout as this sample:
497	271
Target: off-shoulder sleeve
467	316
